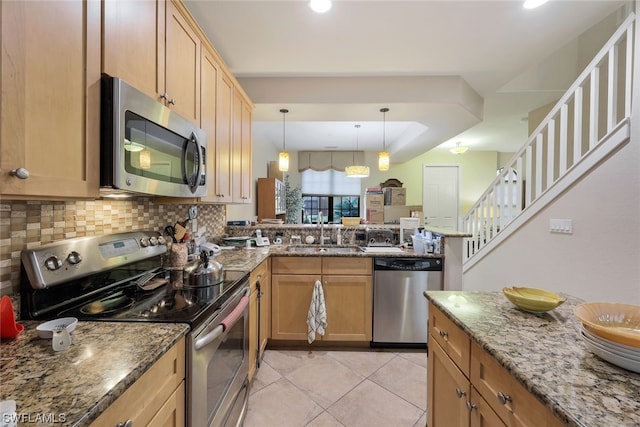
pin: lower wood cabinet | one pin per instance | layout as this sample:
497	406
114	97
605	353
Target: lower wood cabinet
157	398
347	285
466	386
259	314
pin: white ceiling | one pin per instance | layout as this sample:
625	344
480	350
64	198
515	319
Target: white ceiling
449	71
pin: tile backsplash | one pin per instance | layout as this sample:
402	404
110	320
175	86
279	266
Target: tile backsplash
29	224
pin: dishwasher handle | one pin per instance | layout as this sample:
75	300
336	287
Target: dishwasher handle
408	264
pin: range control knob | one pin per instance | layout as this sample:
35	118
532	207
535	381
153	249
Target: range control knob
144	242
162	240
52	263
154	241
74	258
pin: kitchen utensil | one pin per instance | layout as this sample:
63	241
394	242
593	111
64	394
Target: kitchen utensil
8	326
145	278
61	339
170	231
46	330
180	232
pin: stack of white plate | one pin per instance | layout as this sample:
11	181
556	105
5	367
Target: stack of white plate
612	332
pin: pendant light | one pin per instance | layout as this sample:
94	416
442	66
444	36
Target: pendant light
356	171
283	157
383	156
458	149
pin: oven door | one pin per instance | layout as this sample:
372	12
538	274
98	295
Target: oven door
218	366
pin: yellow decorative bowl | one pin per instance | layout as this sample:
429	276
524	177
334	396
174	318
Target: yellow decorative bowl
615	322
350	221
533	299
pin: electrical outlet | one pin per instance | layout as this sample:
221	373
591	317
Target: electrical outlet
564	226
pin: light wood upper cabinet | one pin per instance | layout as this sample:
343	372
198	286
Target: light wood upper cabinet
49	109
222	191
241	150
153	47
210	70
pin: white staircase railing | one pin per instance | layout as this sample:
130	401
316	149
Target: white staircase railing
587	123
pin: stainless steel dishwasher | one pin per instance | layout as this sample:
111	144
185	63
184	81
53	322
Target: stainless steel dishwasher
400	311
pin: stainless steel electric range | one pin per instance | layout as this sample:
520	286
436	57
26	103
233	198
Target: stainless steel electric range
121	277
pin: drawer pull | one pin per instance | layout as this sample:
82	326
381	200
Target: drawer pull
471	406
503	398
444	334
128	423
460	393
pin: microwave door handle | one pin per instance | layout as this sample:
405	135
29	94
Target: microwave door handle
193	185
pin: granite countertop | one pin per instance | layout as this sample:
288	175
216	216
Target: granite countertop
248	259
74	386
546	354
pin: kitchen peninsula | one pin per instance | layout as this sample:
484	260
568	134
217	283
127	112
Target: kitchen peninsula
541	355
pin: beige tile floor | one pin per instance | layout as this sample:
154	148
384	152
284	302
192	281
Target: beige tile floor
339	388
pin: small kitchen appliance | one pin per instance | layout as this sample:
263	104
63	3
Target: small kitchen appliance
121	277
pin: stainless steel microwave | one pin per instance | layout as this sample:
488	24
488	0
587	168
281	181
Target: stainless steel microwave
146	147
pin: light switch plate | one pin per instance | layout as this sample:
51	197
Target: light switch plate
564	226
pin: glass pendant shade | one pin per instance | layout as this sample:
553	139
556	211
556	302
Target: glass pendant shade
356	171
458	149
283	157
383	161
283	161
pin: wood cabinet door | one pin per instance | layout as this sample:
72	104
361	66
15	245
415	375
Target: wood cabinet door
481	414
222	190
451	338
348	301
172	413
253	331
246	147
50	104
448	390
290	299
133	43
265	305
208	99
236	148
182	65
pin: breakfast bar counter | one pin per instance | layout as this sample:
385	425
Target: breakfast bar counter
546	354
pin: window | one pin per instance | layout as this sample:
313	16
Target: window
331	193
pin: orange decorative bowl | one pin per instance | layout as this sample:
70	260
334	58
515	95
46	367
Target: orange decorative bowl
615	322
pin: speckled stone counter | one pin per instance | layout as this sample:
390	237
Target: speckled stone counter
74	386
546	354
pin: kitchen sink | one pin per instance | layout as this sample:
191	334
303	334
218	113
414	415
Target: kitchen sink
325	249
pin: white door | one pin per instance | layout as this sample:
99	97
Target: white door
440	196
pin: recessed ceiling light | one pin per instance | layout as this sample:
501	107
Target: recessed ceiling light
532	4
320	6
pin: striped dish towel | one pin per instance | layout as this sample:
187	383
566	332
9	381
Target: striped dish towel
317	316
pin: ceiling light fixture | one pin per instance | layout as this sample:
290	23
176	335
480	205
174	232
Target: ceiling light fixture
320	6
383	156
356	171
532	4
283	157
458	149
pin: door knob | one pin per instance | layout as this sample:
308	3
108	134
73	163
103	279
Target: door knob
21	173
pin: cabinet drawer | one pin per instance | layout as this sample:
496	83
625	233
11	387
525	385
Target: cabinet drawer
144	398
346	266
508	398
448	391
296	265
259	274
481	413
451	338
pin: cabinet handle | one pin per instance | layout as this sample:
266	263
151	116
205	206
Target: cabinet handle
460	393
128	423
172	101
471	406
164	96
503	398
444	334
21	173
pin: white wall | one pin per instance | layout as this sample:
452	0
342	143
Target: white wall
600	261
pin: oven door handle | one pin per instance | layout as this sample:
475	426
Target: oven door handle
227	323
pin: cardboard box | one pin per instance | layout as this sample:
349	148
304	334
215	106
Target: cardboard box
375	216
374	201
392	214
395	196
